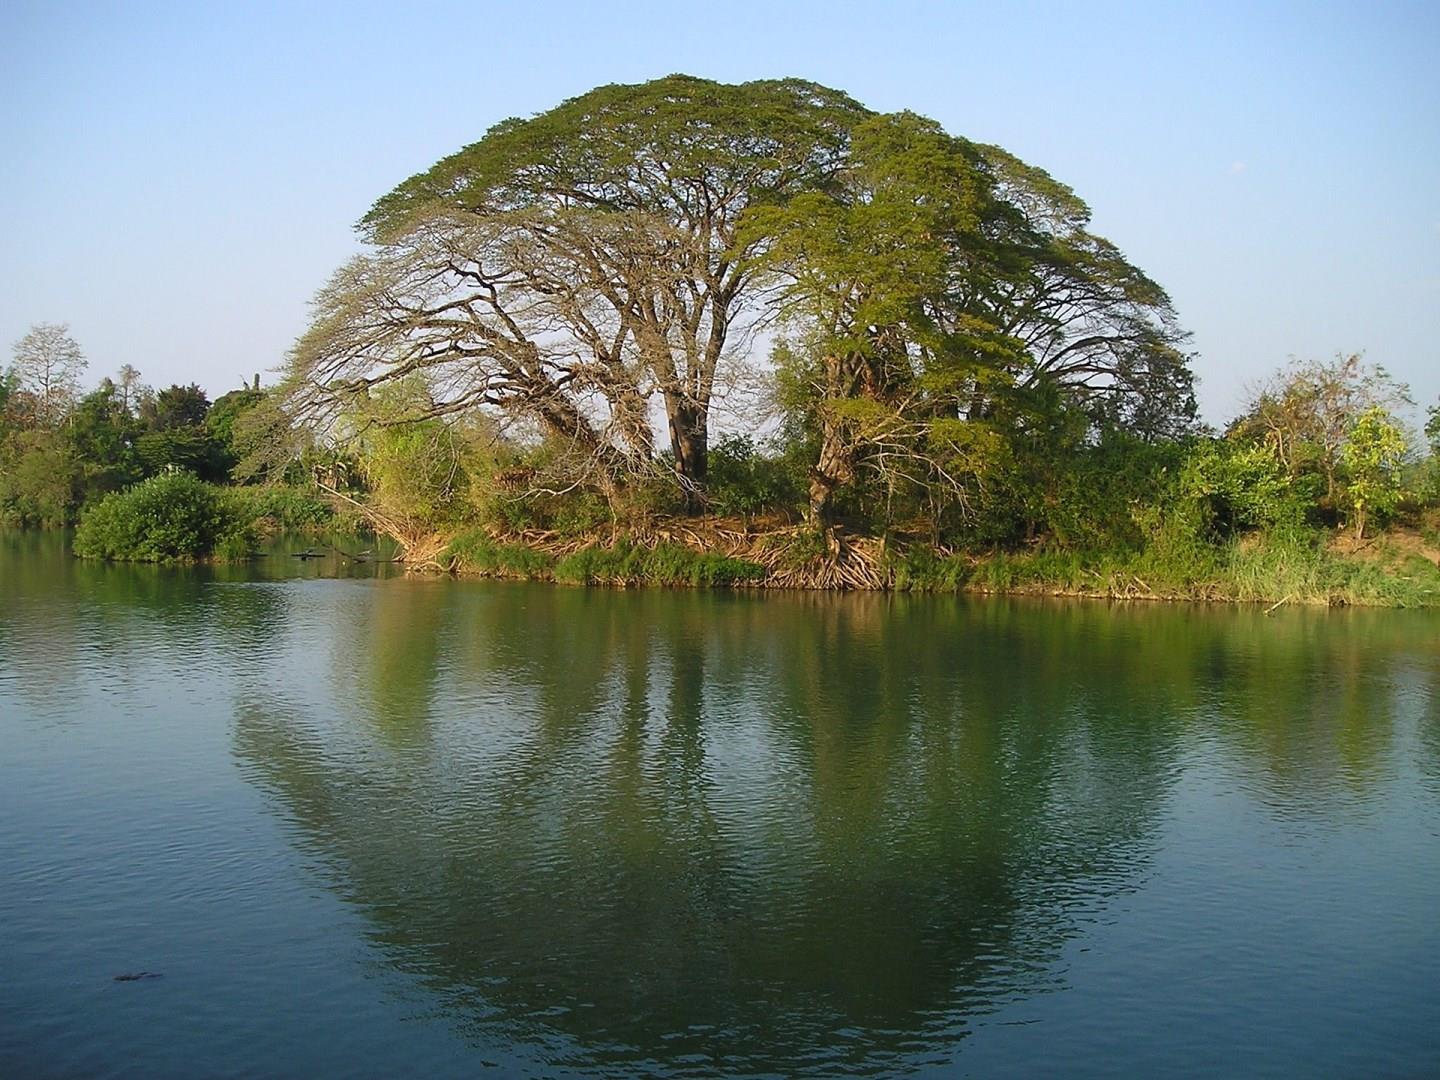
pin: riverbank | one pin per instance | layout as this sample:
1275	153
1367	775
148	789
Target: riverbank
1398	569
177	518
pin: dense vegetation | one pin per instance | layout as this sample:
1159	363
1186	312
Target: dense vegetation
692	332
148	476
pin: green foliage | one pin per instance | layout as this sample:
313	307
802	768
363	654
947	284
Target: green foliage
624	563
644	146
517	488
1058	484
644	498
280	508
1235	487
170	518
1427	485
800	548
619	208
169	433
743	481
224	424
1294	566
921	569
1372	455
187	449
1304	415
477	553
175	407
40	478
929	367
102	436
414	466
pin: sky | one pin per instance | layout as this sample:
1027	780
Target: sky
177	180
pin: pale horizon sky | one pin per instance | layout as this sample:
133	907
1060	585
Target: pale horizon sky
180	179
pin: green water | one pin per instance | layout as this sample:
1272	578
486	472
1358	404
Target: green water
370	825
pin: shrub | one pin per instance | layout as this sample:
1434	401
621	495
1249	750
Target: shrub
175	517
743	482
1237	487
40	480
290	508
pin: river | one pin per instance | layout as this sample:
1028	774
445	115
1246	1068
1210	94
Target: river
363	824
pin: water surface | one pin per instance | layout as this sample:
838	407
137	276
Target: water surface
370	825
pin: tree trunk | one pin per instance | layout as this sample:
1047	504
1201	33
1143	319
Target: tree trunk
690	444
834	469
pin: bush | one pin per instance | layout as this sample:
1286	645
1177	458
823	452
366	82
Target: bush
283	508
1238	487
168	518
743	482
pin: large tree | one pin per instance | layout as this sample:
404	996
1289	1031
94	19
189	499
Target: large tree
576	264
945	294
599	263
862	268
1084	325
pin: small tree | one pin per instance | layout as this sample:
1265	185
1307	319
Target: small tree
1306	412
1431	473
175	407
129	388
220	424
102	435
1372	455
48	364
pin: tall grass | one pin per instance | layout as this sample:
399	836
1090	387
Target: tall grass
624	563
664	564
477	553
1292	568
1296	566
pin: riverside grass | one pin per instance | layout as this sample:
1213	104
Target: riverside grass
621	563
1297	568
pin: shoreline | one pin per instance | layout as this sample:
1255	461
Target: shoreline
1394	570
1398	569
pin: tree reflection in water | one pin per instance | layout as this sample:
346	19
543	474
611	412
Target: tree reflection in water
684	830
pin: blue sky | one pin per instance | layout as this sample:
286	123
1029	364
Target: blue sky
178	180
